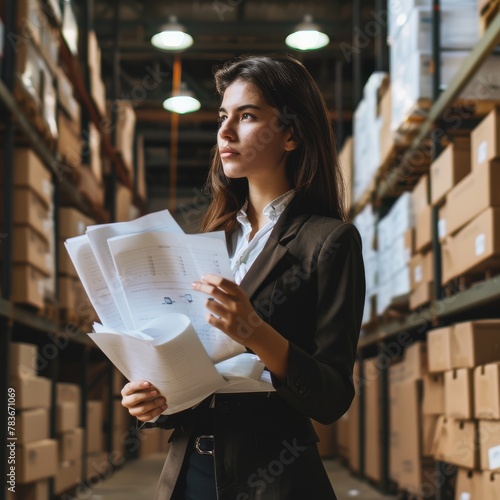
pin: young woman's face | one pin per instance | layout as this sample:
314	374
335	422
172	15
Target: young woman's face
251	140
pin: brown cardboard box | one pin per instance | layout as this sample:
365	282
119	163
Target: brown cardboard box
38	490
423	233
28	285
149	441
466	485
23	358
125	130
95	152
342	430
372	423
67	100
68	292
458	394
475	343
70	445
476	247
88	185
68	474
487	391
420	194
429	423
489	441
69	145
485	140
30	247
433	398
421	278
30	209
438	349
387	138
450	167
32	425
490	486
31	392
475	193
72	223
94	426
455	442
67	417
67	392
327	435
142	188
36	460
442	224
123	203
30	172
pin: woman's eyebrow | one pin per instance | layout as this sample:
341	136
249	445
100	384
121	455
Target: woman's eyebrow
240	108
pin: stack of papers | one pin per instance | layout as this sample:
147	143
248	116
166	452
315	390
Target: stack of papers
138	277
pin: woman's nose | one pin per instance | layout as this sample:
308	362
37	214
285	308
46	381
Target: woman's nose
226	129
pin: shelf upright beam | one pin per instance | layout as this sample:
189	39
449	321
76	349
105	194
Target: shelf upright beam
381	47
339	93
383	371
356	53
6	326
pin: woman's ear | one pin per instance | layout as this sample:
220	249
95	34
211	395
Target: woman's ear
292	140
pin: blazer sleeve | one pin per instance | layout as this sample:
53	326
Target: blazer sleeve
320	385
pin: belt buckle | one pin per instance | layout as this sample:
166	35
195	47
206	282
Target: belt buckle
197	443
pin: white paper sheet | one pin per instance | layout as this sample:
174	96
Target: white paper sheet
99	235
156	270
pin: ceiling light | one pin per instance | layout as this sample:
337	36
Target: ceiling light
307	36
172	36
184	102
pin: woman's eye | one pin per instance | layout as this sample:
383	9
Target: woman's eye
246	116
221	119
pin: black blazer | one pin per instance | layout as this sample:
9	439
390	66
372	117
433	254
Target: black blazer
308	283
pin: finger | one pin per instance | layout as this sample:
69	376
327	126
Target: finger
215	321
216	308
147	406
146	417
135	385
226	285
139	397
213	291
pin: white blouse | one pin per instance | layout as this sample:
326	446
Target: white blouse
244	251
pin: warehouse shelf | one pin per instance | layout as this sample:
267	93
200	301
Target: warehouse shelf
385	187
83	96
481	294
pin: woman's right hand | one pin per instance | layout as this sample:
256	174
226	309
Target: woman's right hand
142	400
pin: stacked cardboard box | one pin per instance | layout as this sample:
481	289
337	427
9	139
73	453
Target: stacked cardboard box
471	228
33	238
69	436
411	430
467	433
95	436
97	88
124	129
36	455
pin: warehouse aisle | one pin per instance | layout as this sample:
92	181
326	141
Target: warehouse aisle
137	479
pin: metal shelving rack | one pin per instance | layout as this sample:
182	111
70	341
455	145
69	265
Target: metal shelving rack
13	316
466	304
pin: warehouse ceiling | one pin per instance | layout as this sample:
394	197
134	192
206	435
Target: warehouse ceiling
222	29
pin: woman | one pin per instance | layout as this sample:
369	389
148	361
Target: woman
296	302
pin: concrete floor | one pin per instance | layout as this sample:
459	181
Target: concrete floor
137	479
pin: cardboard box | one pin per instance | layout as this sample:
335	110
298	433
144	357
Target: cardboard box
69	145
23	357
433	398
95	162
466	484
429	424
31	392
423	229
442	224
98	464
36	460
475	248
485	140
123	203
125	130
438	349
372	423
70	445
72	223
68	292
39	490
67	392
94	426
490	486
28	285
68	475
475	193
456	442
67	417
489	441
475	343
30	247
32	425
67	100
88	185
30	210
421	276
487	391
387	137
450	167
458	394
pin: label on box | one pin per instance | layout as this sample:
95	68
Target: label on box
494	457
442	228
482	152
480	244
418	274
465	496
47	187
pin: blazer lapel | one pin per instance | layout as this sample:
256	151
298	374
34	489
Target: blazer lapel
274	250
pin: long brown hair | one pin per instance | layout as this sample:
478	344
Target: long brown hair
312	168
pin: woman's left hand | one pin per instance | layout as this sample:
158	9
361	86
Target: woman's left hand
230	309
